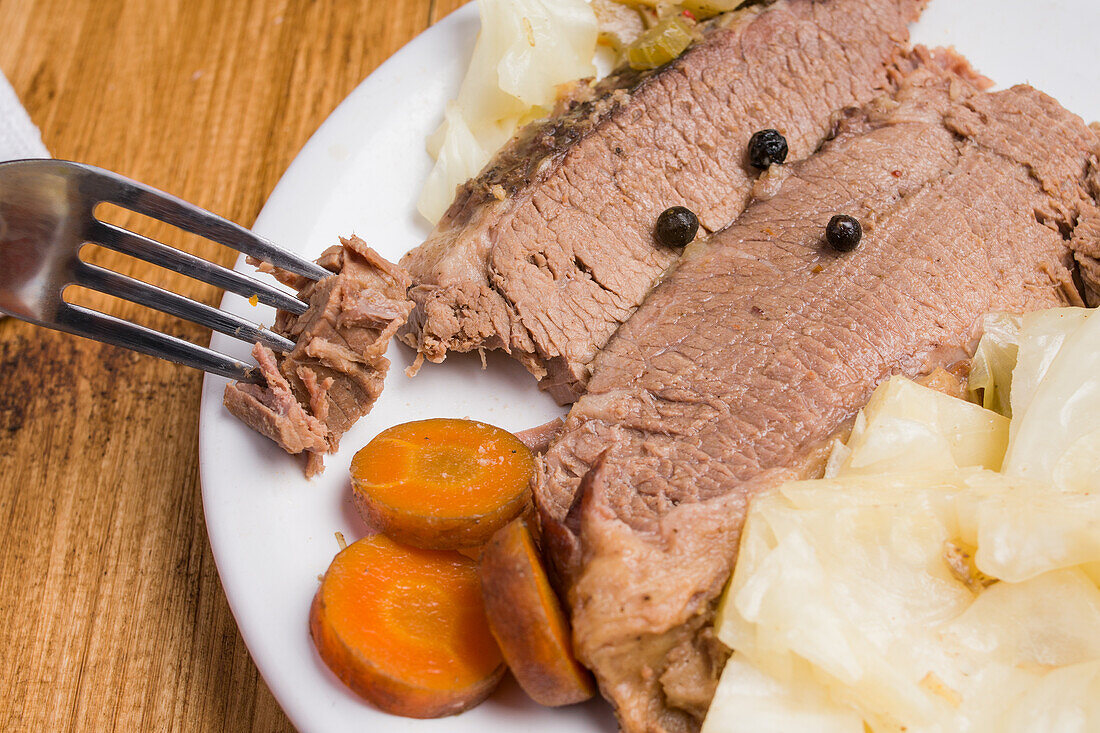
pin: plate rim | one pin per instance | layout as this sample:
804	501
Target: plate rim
328	133
284	194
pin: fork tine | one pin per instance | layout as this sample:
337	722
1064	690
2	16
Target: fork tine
135	245
113	283
147	200
110	330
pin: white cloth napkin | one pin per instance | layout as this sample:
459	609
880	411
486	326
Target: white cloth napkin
19	138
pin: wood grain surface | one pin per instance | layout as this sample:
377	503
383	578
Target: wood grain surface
113	617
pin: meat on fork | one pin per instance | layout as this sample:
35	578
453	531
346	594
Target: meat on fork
763	343
335	373
551	247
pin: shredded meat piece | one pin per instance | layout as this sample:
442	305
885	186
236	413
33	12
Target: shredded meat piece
335	373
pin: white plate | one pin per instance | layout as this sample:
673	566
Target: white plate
271	530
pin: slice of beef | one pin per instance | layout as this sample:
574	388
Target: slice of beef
551	247
1086	239
335	372
539	438
762	344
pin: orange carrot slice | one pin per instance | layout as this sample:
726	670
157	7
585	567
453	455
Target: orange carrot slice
405	628
442	483
527	620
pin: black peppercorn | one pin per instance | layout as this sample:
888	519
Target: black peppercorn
767	147
843	233
676	227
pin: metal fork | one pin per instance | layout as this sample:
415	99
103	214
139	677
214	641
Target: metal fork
47	214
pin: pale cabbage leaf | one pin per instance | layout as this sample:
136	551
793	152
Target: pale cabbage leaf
1056	400
907	427
1025	530
749	701
919	589
994	360
1041	336
525	51
844	595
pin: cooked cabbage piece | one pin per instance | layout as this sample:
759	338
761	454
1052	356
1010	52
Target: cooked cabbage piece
1055	433
1033	529
620	25
907	427
861	592
994	360
918	588
1041	337
525	51
749	701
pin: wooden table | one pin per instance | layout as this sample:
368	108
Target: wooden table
112	613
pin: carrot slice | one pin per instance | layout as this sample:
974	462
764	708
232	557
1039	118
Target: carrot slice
527	620
443	483
405	628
